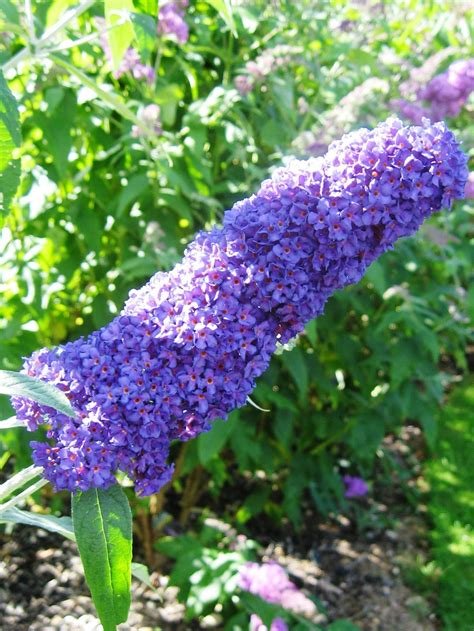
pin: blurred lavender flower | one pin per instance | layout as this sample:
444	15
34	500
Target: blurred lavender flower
189	345
355	487
444	95
131	61
421	75
264	65
150	116
243	84
271	583
448	92
469	190
171	20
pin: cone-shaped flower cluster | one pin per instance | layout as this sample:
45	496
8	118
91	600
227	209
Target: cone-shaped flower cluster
449	91
189	345
444	95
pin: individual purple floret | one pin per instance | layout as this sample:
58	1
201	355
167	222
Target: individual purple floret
355	487
189	345
271	583
171	20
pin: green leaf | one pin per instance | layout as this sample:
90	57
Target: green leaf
246	448
141	572
264	610
11	422
10	136
210	443
294	362
61	525
56	125
103	527
137	184
376	275
311	332
470	301
293	489
109	98
145	32
343	625
10	139
224	9
90	227
9	11
56	10
19	385
283	426
121	34
9	181
168	98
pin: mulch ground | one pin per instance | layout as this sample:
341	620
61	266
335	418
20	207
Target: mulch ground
354	575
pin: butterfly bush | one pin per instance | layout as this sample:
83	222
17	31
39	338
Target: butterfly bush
448	92
171	21
444	95
271	583
264	65
188	346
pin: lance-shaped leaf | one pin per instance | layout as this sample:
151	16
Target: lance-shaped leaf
19	385
10	139
224	8
102	523
120	29
61	525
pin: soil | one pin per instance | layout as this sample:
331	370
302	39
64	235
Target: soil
353	574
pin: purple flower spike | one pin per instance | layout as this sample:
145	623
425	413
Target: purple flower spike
355	487
189	345
445	94
449	91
